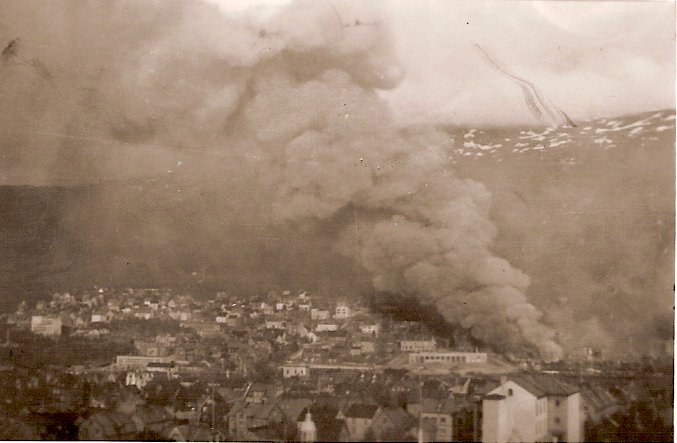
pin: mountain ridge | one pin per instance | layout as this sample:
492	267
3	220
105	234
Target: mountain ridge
591	223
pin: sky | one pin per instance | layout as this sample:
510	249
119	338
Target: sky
266	135
591	58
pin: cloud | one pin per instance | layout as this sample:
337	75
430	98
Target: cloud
592	58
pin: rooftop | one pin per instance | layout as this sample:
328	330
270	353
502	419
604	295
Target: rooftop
542	385
361	410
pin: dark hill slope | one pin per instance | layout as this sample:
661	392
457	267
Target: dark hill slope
587	212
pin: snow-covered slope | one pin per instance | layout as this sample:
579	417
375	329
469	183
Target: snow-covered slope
602	133
588	214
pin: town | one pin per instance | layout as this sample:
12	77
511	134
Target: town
158	364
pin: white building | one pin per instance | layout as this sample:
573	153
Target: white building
326	327
100	317
289	371
48	326
447	357
144	313
275	324
531	408
139	361
418	345
312	337
138	379
180	315
319	314
307	431
342	311
370	329
437	419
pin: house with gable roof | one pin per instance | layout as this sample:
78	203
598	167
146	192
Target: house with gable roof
437	419
328	426
532	408
109	426
395	424
359	417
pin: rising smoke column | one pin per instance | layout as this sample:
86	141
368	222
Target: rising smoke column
422	230
292	105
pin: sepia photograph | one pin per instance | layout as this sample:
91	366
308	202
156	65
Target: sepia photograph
337	220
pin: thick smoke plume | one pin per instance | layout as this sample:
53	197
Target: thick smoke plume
276	120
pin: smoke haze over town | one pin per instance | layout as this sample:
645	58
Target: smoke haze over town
314	145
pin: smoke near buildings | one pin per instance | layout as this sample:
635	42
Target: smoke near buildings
275	122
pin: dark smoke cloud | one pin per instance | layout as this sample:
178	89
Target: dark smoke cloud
597	239
276	156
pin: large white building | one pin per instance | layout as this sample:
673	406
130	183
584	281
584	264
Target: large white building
48	326
371	328
437	419
326	327
447	357
138	379
275	324
140	361
342	311
319	314
418	345
532	408
289	371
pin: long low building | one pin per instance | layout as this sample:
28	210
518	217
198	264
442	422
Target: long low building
418	345
140	361
48	326
447	357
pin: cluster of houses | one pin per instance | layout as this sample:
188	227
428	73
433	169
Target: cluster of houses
520	407
294	367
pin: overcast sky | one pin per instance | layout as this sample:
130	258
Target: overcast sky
591	58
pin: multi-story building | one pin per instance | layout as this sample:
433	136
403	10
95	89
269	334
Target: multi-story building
48	326
275	324
450	358
100	316
144	313
598	403
394	423
151	348
289	371
532	408
342	311
245	418
437	419
138	378
140	361
326	327
359	418
319	314
372	328
307	431
203	328
181	315
367	347
418	345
